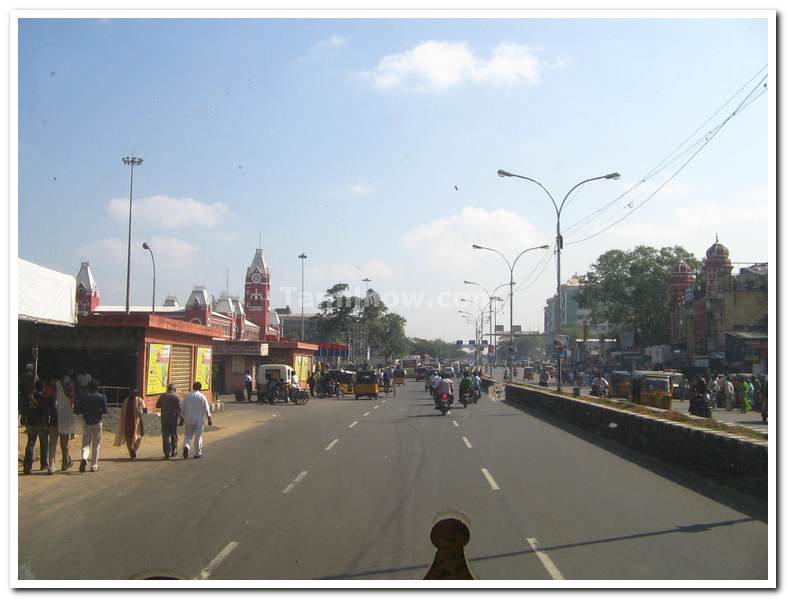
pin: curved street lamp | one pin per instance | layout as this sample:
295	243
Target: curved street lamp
302	258
145	246
558	238
511	266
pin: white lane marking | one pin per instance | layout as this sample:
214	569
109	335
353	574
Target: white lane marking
383	401
331	444
273	416
545	560
490	480
298	479
467	443
367	413
353	424
455	423
375	407
206	572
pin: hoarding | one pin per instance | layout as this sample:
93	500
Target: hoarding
204	365
158	368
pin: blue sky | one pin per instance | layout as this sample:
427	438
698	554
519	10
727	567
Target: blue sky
344	139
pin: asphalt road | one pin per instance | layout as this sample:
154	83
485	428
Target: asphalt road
346	489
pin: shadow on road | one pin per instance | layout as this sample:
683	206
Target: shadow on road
716	491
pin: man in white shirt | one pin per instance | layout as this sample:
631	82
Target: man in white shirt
294	384
195	409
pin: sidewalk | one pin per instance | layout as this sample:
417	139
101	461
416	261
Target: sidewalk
114	463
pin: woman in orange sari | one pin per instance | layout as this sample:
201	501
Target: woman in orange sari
130	427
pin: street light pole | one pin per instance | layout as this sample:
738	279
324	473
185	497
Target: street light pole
558	239
131	161
511	267
490	296
148	248
367	280
302	258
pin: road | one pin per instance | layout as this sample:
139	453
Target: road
348	489
751	419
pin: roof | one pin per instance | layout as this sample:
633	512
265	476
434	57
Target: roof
147	308
258	263
224	305
747	335
85	277
200	294
250	324
45	295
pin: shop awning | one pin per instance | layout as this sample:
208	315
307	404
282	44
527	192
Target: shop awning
45	295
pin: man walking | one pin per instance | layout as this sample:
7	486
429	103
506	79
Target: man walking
38	413
171	414
247	380
729	394
195	410
131	428
91	406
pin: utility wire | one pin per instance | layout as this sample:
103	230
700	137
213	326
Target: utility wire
661	166
708	139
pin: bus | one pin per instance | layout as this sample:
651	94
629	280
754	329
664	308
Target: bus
409	364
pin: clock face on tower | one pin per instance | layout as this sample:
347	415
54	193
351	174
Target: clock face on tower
256	277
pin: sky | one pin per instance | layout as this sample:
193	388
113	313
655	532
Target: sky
372	146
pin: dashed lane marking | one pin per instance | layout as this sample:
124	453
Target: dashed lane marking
331	444
455	423
375	407
467	443
490	480
367	413
298	479
353	424
546	561
206	572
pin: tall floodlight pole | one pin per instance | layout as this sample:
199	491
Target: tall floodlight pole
558	240
131	161
511	266
145	246
489	296
367	280
302	258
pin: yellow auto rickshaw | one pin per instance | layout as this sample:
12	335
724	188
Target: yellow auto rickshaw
527	374
366	384
651	388
619	383
399	376
344	378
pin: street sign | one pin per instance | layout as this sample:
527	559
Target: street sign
499	328
459	343
517	328
472	342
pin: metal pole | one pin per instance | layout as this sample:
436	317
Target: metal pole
128	261
154	281
511	324
557	314
302	258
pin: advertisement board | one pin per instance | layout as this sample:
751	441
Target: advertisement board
158	368
204	365
303	367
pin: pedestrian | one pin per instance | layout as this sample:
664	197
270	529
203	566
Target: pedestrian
195	410
746	394
171	414
713	389
311	381
27	386
757	398
130	427
248	382
91	406
38	412
66	427
82	380
729	393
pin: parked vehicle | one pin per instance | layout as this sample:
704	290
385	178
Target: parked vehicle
619	381
273	385
651	388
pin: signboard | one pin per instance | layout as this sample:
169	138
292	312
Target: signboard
158	368
459	343
485	342
517	328
701	362
499	328
472	342
204	365
716	355
302	367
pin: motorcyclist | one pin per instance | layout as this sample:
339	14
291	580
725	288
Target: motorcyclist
476	385
466	384
445	385
386	378
506	375
700	387
600	385
435	382
543	378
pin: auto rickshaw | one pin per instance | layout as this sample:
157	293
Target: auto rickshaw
676	380
651	388
619	383
366	384
527	373
399	376
344	378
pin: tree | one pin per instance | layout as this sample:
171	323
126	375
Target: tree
630	291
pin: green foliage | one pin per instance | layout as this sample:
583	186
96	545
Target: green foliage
434	347
630	290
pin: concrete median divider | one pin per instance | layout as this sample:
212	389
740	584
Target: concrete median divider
730	459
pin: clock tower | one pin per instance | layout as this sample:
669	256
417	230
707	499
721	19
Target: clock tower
257	293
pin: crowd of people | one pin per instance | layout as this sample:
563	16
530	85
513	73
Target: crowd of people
55	409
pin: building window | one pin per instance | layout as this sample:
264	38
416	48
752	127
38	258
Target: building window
196	321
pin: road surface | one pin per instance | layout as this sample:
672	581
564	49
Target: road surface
348	489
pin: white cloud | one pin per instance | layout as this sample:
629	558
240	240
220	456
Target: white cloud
165	212
360	190
436	66
113	249
335	41
176	252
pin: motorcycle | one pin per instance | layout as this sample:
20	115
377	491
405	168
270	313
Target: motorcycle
700	405
329	389
444	403
599	391
464	397
476	394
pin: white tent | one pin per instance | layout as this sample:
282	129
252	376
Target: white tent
45	296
